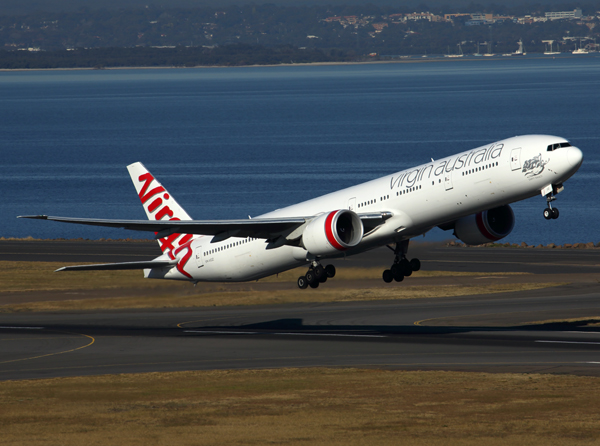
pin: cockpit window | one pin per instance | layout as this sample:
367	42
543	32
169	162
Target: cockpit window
558	145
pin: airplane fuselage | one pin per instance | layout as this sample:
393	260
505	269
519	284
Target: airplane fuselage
418	199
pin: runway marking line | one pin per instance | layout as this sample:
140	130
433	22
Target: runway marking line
30	339
180	325
57	353
331	334
221	332
568	342
285	334
418	323
23	328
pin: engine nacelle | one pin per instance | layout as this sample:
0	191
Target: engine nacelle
487	226
333	232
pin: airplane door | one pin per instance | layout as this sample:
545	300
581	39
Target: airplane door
199	257
352	204
515	159
448	180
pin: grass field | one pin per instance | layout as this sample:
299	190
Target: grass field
40	276
302	407
128	289
312	406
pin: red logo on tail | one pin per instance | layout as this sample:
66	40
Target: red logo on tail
174	243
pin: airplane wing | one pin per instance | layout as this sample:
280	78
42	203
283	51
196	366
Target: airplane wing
120	266
266	228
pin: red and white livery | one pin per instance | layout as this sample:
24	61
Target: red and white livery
468	193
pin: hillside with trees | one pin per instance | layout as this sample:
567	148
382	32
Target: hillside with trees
270	33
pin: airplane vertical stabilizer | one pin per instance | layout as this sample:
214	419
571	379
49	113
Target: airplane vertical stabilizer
160	205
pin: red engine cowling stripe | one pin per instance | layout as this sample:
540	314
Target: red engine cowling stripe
329	232
481	225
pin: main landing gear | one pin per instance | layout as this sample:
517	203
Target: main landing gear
316	275
402	267
551	213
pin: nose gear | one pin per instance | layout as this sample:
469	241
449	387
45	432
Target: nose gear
551	213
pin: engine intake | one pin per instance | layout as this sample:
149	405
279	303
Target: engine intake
332	232
487	226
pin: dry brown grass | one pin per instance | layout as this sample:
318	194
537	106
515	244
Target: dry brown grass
128	289
266	297
302	407
40	276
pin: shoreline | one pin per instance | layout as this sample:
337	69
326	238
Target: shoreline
400	60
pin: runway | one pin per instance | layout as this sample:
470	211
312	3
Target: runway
494	333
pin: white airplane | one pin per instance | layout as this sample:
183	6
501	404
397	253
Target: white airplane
468	193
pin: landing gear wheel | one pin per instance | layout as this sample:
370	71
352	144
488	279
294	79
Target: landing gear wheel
330	270
314	284
399	277
548	213
311	278
323	278
554	213
387	276
415	264
319	272
406	268
302	282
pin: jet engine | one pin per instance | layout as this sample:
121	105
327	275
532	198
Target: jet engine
487	226
332	232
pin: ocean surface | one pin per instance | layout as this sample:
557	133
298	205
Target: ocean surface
233	142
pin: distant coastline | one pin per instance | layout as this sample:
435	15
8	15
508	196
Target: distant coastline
395	60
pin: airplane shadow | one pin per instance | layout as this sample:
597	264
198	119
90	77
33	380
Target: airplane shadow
296	326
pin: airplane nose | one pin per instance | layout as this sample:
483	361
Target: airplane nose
574	156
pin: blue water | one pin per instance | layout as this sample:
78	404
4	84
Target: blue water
233	142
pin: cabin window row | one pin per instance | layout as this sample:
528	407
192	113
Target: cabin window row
480	168
229	245
406	191
366	203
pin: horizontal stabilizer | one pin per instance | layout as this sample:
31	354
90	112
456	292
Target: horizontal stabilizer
120	266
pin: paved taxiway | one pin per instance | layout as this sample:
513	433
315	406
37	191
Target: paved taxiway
483	333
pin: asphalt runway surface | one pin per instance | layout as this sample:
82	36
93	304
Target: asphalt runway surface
493	333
